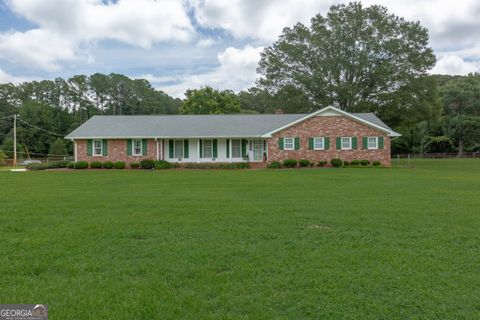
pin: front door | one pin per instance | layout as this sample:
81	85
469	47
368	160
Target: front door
256	150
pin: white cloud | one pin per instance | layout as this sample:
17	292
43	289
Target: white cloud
236	71
67	25
264	19
6	77
455	65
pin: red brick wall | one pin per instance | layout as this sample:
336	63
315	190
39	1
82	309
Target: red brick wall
332	127
117	151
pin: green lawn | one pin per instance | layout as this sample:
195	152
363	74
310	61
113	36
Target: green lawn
256	244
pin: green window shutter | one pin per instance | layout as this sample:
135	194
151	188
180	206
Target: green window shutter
105	147
89	148
365	142
244	148
296	143
354	142
200	142
228	148
326	142
310	143
129	147
170	149
339	143
214	147
144	147
380	142
185	148
280	143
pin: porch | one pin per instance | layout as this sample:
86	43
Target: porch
219	150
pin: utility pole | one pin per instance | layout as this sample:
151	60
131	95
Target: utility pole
14	140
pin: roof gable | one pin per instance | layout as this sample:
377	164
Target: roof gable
368	119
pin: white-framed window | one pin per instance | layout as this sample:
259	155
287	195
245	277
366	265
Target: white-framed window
97	148
207	149
318	143
137	147
346	143
372	143
236	148
288	143
178	149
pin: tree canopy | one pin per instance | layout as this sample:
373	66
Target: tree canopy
356	58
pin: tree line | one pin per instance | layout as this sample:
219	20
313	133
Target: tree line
356	58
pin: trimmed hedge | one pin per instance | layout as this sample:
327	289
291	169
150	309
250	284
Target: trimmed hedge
107	165
80	165
303	163
346	163
37	166
162	164
336	162
240	165
119	165
71	165
274	165
355	162
134	165
376	163
96	165
321	163
290	163
364	162
147	164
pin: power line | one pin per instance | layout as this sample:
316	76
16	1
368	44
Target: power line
38	128
6	117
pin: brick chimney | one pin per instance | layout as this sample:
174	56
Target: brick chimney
279	111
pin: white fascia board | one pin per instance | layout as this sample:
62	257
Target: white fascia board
164	137
390	133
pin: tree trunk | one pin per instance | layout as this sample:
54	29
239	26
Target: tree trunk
460	147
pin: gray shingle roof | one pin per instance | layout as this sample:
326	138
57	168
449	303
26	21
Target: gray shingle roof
182	126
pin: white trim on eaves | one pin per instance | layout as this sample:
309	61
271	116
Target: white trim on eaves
341	112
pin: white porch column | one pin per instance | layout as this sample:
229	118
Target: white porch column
198	150
162	141
156	142
230	148
75	150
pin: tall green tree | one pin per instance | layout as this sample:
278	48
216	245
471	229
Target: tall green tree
210	101
356	58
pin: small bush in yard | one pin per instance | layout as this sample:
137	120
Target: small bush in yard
108	165
81	165
274	165
162	164
304	163
364	162
63	163
346	163
95	165
119	165
376	163
322	163
37	166
71	165
336	162
147	164
134	165
355	162
290	163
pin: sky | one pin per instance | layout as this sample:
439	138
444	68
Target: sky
181	44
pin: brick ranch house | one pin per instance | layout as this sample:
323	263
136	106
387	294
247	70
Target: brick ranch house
259	139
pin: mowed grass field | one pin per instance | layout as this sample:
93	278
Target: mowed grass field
364	243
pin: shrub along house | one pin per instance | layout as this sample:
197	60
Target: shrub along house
259	139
